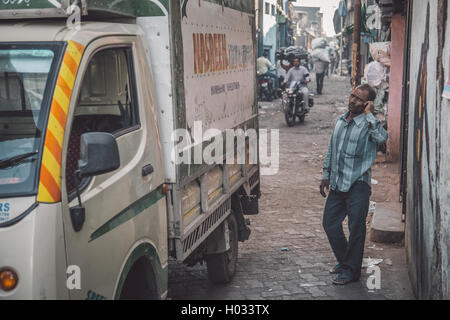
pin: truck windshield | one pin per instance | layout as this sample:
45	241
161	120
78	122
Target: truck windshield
26	75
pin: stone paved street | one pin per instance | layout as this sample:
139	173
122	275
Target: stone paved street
288	255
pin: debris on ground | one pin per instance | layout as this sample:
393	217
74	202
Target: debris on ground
372	206
374	247
370	262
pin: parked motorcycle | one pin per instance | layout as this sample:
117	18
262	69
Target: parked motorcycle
293	103
266	88
281	88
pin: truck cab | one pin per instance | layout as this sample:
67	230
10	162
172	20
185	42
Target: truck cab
55	86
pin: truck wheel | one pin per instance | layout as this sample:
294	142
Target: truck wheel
222	266
140	283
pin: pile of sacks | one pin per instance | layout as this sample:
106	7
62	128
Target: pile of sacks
320	50
376	72
295	52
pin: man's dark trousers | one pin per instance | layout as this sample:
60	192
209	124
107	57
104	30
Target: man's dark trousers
355	204
319	81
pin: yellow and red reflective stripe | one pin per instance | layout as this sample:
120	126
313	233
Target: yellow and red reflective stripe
50	178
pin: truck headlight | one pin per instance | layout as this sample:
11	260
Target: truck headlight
8	279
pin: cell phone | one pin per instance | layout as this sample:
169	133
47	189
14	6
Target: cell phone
366	103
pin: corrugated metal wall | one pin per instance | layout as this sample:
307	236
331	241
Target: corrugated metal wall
428	167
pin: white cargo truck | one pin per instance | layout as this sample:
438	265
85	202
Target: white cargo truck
99	185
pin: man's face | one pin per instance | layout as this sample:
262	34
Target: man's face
357	100
296	62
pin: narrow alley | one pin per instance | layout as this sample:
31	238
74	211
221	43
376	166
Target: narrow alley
139	139
288	255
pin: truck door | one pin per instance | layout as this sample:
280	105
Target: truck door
123	208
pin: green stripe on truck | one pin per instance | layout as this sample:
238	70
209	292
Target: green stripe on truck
129	213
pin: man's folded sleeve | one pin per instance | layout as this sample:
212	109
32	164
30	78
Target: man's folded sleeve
376	131
326	165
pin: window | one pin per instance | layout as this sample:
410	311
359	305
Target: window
107	94
27	72
267	8
274	12
107	102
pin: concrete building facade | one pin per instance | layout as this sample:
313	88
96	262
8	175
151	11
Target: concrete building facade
269	27
309	25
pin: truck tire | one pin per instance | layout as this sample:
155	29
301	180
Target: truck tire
222	266
140	283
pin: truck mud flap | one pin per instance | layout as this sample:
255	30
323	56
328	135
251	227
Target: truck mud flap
243	230
250	202
238	210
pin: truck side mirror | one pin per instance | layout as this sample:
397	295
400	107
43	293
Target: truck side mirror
98	154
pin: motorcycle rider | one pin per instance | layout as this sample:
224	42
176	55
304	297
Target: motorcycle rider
263	67
283	66
301	74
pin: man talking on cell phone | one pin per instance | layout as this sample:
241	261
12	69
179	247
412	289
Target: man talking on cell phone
347	175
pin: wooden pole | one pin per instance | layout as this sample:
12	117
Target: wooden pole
356	78
340	47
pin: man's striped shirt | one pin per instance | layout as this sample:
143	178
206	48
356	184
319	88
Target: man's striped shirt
352	151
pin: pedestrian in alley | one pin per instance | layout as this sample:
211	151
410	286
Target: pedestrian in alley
346	175
321	69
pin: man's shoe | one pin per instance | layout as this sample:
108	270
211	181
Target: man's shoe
343	279
335	269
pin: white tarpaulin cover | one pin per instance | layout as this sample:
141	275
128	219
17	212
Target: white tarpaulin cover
322	54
